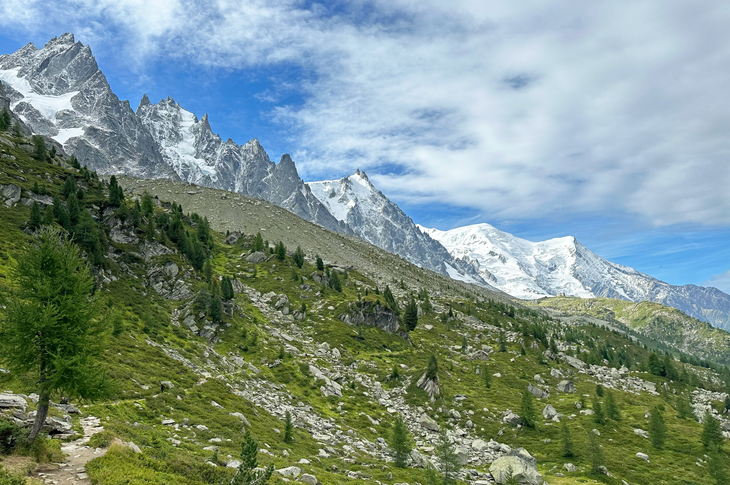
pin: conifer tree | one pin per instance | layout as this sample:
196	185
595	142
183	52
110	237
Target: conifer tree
595	452
711	432
657	429
51	327
280	251
717	468
502	341
598	417
320	263
258	243
249	472
4	119
208	271
148	206
48	216
684	408
35	216
566	442
298	257
227	288
40	148
74	209
288	428
69	186
116	194
335	281
612	410
410	315
487	377
599	390
527	410
400	442
448	458
655	365
432	369
61	214
390	301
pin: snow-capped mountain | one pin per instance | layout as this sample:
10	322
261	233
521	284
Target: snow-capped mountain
199	156
59	91
530	270
373	217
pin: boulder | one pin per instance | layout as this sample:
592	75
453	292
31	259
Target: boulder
462	455
479	445
11	194
290	471
256	257
573	362
167	385
233	238
309	479
570	467
511	418
479	355
12	401
549	412
566	386
521	465
643	456
537	392
556	373
428	423
538	378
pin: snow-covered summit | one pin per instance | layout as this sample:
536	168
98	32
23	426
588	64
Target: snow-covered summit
564	266
376	219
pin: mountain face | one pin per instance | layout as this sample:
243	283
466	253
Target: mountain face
59	91
375	218
200	157
563	266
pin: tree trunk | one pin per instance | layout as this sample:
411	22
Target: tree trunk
40	417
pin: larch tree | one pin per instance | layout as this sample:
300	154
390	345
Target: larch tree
51	327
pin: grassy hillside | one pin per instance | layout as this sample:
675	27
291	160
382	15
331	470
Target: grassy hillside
266	357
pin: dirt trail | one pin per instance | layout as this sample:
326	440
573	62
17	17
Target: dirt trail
78	454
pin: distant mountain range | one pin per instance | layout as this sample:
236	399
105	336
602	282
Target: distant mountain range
59	92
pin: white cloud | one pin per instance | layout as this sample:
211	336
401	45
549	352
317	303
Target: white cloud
720	281
518	109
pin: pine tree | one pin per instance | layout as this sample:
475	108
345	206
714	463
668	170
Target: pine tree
612	410
599	390
567	442
35	216
711	432
410	315
487	377
115	192
48	216
148	206
207	271
298	257
40	148
320	263
390	301
280	251
655	365
527	410
249	472
716	467
258	243
684	408
74	209
227	288
598	417
400	442
335	281
4	119
657	429
51	328
448	458
69	186
288	428
61	214
502	341
432	369
595	452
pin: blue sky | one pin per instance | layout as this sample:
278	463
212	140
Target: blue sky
603	121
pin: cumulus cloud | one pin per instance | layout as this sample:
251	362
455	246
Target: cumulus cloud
517	109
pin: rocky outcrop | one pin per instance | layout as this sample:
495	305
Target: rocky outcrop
165	281
518	465
371	314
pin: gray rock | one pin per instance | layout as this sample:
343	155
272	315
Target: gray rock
256	257
479	445
522	466
549	412
371	314
11	194
12	401
511	418
479	355
428	423
537	392
642	456
308	479
290	471
167	384
566	386
570	467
